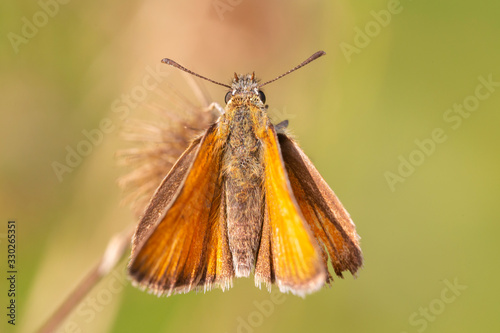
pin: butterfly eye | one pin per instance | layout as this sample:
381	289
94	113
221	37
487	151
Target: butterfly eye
262	96
228	96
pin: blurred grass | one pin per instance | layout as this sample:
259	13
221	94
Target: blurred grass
353	120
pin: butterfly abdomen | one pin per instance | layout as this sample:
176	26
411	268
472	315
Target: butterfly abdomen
243	176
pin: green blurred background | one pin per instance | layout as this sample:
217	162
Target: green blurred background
356	112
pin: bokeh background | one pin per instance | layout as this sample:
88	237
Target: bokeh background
393	71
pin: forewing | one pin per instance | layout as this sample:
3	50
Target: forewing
180	244
323	211
165	193
296	264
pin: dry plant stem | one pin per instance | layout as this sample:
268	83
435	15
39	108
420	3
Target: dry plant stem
115	251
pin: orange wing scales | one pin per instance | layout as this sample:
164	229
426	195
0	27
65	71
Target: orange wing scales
173	257
219	269
296	258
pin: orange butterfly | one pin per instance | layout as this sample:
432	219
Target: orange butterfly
243	197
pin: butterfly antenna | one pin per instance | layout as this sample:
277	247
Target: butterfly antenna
305	62
176	65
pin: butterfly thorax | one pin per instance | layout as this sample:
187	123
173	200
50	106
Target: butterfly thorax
243	173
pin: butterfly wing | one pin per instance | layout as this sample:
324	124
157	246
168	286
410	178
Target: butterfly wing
181	242
288	254
329	221
165	193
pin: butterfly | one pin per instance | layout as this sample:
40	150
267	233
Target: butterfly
243	198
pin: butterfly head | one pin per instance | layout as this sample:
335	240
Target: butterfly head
245	87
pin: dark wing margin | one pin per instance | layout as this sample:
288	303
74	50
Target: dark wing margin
328	219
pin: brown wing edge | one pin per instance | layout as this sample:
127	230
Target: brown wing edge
198	267
264	271
330	222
